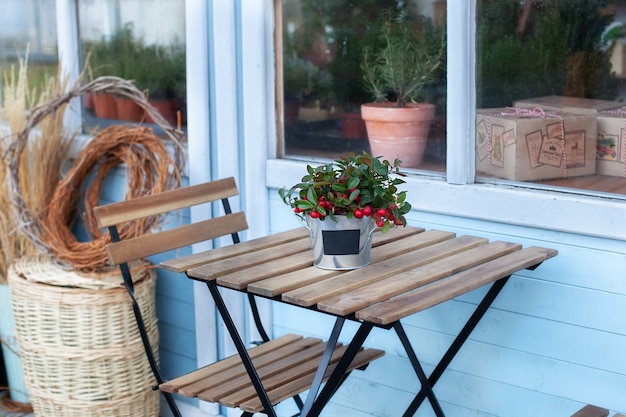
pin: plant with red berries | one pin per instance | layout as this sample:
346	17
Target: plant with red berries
355	186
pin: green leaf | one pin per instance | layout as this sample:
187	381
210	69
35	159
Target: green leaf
339	187
353	183
312	195
304	204
354	194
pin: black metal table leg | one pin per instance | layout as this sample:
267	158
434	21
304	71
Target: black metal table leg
321	370
241	349
456	345
419	371
337	377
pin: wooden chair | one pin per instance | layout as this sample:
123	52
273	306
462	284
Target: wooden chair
286	366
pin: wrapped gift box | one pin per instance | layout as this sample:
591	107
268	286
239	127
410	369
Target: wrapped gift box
611	143
568	104
527	145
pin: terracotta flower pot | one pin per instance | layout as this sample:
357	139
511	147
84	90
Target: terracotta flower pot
104	105
353	126
291	112
88	101
395	132
128	109
165	107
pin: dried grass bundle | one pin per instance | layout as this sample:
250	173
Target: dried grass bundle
7	222
48	149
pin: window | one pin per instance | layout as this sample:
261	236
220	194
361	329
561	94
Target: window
548	56
140	40
29	27
527	52
324	47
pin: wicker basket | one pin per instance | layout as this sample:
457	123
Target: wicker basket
81	351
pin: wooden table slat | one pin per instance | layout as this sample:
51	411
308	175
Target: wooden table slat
312	294
239	281
214	270
281	283
184	263
380	291
412	302
275	286
394	235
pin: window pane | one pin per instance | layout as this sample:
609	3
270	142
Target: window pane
324	47
564	61
29	25
140	40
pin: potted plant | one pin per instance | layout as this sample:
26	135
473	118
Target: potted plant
343	202
303	82
398	73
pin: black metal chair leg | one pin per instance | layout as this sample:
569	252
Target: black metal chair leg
143	333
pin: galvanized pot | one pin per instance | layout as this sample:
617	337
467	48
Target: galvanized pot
341	244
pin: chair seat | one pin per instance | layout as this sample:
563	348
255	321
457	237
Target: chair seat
286	366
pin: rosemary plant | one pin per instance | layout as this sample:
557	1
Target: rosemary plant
406	62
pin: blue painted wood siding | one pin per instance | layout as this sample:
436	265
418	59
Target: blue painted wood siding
553	341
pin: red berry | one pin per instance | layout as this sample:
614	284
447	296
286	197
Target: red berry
298	210
358	213
315	214
380	222
367	210
381	212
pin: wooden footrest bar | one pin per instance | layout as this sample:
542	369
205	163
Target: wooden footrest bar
286	367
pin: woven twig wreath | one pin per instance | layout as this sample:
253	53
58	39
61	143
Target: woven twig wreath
151	168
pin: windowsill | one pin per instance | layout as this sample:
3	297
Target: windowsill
555	210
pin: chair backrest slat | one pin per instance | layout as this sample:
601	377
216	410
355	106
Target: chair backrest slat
162	241
167	201
178	236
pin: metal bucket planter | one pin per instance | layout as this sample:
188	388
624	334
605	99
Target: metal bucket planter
341	244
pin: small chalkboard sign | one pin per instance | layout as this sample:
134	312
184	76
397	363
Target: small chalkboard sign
341	242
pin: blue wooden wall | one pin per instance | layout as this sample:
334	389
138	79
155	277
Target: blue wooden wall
554	340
